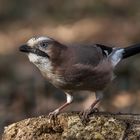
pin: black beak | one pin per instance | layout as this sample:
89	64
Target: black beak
25	48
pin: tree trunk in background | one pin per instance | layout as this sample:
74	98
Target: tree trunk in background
68	126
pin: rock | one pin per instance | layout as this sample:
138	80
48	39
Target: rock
68	126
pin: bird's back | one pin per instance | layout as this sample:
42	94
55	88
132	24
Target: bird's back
85	67
86	54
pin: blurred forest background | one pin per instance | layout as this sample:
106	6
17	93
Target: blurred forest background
25	93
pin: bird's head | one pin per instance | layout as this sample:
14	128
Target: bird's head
41	50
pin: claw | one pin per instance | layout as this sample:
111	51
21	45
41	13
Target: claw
95	110
86	114
53	115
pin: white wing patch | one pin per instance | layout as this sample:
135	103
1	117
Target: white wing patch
106	52
116	56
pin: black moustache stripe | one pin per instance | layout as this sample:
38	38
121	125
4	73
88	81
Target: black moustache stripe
39	52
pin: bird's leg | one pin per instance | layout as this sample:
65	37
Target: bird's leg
92	109
56	112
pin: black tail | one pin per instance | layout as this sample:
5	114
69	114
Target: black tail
131	50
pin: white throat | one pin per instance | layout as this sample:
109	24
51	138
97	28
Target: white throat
43	63
46	68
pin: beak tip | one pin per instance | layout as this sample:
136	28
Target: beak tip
24	48
20	48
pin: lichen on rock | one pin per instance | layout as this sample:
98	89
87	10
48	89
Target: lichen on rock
68	126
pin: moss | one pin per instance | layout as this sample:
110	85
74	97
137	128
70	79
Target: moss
68	126
98	128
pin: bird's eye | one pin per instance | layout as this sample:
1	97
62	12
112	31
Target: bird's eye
44	44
